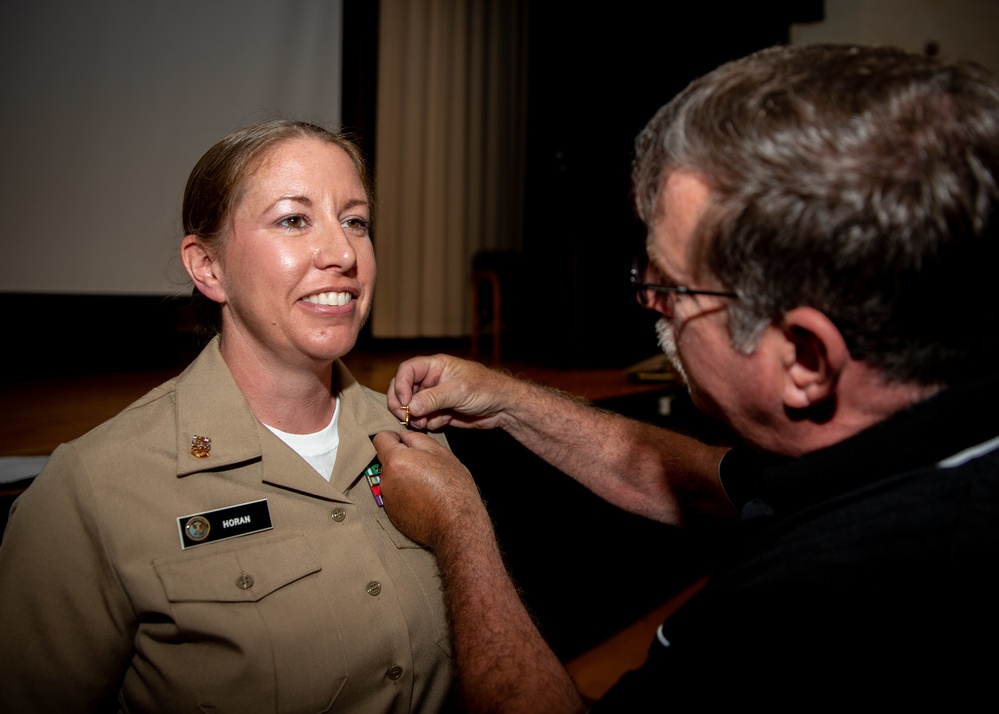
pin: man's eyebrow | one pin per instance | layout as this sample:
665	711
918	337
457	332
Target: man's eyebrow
663	273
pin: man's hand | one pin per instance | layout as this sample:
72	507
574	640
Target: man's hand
644	469
504	664
442	390
429	496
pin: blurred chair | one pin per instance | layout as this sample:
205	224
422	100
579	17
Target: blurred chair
491	270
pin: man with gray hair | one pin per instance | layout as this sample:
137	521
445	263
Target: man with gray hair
822	241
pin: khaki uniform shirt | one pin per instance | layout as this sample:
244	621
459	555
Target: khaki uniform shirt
101	607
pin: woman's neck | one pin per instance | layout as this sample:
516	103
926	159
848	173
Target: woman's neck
298	399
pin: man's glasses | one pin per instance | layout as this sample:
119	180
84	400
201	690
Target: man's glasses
645	281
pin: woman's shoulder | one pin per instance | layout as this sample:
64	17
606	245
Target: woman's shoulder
145	417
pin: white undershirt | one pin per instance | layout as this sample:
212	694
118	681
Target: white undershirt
318	449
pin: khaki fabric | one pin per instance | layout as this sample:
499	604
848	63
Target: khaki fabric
101	609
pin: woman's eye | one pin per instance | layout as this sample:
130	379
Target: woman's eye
358	226
296	221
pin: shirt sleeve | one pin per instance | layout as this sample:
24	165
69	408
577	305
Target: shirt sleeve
739	471
67	623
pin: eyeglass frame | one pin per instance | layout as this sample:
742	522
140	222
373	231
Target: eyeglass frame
642	288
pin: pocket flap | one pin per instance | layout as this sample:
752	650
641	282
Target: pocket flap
245	573
397	538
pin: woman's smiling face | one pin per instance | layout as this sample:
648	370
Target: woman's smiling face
297	270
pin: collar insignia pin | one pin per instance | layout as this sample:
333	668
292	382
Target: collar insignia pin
201	446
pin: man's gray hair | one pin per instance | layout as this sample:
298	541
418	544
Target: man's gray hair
859	181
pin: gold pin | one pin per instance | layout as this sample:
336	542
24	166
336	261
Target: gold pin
405	423
201	446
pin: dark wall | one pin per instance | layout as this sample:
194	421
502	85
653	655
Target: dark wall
358	112
595	78
48	335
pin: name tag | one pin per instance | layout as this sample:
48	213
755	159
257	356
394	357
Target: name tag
224	523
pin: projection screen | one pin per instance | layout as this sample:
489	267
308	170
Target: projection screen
109	103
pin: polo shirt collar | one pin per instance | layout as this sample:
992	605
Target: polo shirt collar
919	436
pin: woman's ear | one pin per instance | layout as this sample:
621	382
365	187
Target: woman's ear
203	267
815	357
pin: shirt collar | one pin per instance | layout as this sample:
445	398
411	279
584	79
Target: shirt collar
922	435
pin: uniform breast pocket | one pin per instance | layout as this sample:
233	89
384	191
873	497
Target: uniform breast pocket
423	592
251	627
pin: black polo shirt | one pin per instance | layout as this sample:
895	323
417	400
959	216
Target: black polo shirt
865	573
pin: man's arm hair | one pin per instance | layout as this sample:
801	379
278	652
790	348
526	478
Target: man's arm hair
504	664
641	468
644	469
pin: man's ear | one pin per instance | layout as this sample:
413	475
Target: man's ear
203	267
814	358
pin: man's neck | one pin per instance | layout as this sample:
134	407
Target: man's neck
864	397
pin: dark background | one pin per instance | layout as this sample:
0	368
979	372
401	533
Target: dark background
594	79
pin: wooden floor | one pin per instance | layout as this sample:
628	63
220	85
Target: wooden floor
37	415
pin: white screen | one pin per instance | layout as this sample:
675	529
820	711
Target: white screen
108	104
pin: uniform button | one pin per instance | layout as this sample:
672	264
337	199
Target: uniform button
394	673
244	581
374	587
338	514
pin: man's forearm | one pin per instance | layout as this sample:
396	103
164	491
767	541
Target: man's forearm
504	665
644	469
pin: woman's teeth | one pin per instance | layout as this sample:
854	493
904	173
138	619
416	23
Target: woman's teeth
329	298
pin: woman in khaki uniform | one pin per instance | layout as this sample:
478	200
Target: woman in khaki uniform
218	545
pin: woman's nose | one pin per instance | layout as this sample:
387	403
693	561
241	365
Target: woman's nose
335	249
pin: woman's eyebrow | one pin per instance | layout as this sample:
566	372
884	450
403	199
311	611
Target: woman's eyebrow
354	203
304	200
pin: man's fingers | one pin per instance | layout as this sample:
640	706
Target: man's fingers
388	441
385	441
420	442
423	403
414	377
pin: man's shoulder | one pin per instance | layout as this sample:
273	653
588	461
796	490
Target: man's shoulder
865	595
906	525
